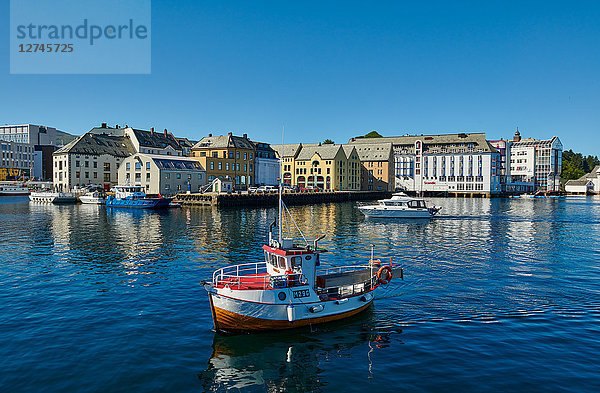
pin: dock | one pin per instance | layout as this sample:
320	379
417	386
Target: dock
270	199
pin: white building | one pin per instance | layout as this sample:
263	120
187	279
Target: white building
586	184
451	163
536	162
267	167
93	158
16	159
162	174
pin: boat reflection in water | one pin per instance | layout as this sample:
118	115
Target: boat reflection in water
286	360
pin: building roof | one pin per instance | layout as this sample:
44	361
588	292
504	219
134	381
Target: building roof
173	163
98	144
326	152
593	174
533	142
579	182
408	141
224	141
348	149
374	151
156	140
290	150
184	142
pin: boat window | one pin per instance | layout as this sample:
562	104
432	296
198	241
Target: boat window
273	259
281	262
296	262
413	204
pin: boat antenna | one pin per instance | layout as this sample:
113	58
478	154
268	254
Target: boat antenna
281	186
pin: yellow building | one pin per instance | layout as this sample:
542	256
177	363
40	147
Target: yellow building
227	157
326	167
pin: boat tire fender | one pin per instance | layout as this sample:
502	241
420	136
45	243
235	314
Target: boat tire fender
387	277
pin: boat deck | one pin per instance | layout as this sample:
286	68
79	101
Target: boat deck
252	281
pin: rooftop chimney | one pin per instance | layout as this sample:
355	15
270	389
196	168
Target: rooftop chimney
165	132
116	126
103	125
230	133
152	130
209	135
245	136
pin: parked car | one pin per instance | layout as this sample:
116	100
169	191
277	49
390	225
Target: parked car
252	190
266	189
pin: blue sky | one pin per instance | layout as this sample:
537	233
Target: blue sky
340	69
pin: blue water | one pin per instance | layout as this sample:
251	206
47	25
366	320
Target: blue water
499	295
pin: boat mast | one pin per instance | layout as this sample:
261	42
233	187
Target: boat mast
280	212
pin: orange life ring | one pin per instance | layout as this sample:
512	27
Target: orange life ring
389	275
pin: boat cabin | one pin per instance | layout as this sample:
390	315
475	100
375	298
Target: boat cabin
129	192
296	261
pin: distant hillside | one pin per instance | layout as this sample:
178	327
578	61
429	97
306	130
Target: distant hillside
372	134
62	138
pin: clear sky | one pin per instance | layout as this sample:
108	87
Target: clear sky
340	69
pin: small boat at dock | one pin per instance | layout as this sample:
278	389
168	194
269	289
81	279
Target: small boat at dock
53	197
134	197
288	289
93	198
13	189
400	206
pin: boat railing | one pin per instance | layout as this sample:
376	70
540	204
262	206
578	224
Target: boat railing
343	291
254	276
342	269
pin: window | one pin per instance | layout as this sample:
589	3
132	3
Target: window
138	166
107	167
179	175
127	166
77	175
87	175
245	155
199	176
212	165
107	177
95	164
95	174
202	154
77	164
87	164
167	187
227	166
237	155
230	154
147	175
220	165
148	166
167	176
138	177
215	154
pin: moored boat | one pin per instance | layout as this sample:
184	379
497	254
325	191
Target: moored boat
53	197
135	197
93	198
400	206
288	289
13	189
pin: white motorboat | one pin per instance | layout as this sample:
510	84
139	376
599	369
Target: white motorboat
13	189
53	197
400	206
286	290
93	198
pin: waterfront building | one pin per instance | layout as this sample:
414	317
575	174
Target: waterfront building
93	158
451	163
324	166
151	142
287	155
227	157
377	166
42	141
16	160
537	163
162	174
586	184
267	167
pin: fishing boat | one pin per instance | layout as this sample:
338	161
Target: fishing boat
93	198
288	289
135	197
53	197
400	206
13	189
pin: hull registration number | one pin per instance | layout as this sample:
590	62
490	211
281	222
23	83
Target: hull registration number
301	293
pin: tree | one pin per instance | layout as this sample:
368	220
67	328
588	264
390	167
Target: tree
328	142
576	165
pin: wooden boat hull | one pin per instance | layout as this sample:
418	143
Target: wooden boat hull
236	316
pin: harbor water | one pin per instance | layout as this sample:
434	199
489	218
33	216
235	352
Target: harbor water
498	295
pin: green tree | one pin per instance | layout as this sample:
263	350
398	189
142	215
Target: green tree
328	142
575	165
